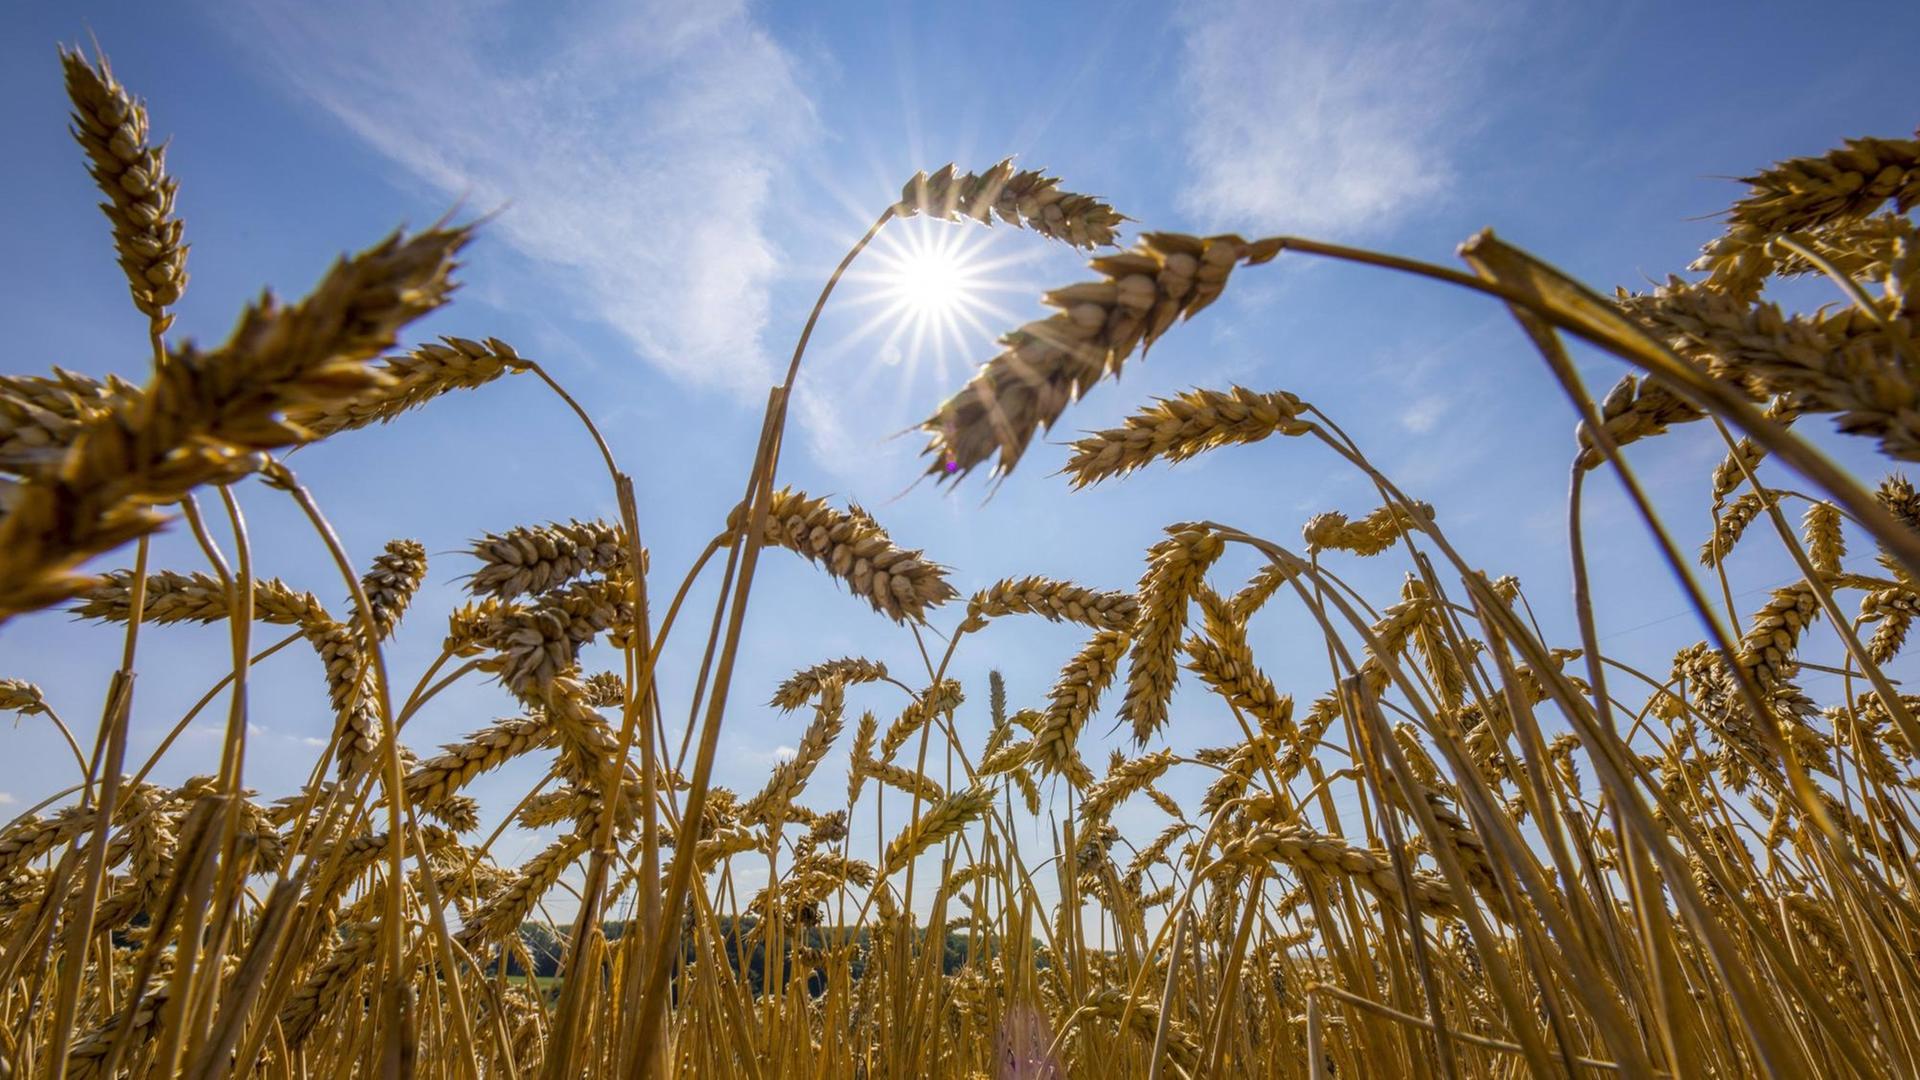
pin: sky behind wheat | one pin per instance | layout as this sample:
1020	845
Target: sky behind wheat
668	184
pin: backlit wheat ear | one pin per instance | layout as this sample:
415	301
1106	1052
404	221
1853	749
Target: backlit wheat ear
1026	198
802	686
1055	600
205	413
1050	363
416	378
789	777
1176	567
112	127
851	546
1183	427
938	823
1074	698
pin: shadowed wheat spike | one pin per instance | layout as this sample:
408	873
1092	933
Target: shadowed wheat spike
416	378
1370	535
1050	363
397	573
1026	198
533	559
40	416
111	126
851	546
205	413
1808	194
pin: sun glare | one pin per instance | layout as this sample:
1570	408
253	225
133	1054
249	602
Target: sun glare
931	282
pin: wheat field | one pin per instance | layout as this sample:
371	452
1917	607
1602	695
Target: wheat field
1476	849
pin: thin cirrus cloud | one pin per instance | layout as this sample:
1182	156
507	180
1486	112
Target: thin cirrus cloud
636	150
1325	115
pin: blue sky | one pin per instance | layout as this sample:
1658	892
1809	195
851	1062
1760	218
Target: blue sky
672	183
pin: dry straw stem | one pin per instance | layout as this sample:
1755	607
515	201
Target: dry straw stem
1183	427
416	378
1050	363
850	545
1026	198
938	823
204	414
536	558
801	686
112	128
1053	599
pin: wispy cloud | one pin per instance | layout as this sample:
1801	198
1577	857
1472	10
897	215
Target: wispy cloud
6	798
636	147
1325	115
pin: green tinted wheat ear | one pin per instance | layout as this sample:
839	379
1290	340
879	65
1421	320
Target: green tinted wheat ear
938	823
533	559
1182	427
205	413
112	128
1050	363
417	378
1054	600
851	546
801	686
1027	198
1176	566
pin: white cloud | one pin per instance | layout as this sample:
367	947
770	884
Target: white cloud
6	798
1422	415
635	148
1323	115
309	740
784	753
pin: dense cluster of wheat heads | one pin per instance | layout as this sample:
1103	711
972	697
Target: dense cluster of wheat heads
1477	847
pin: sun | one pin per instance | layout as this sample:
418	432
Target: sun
931	283
929	276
